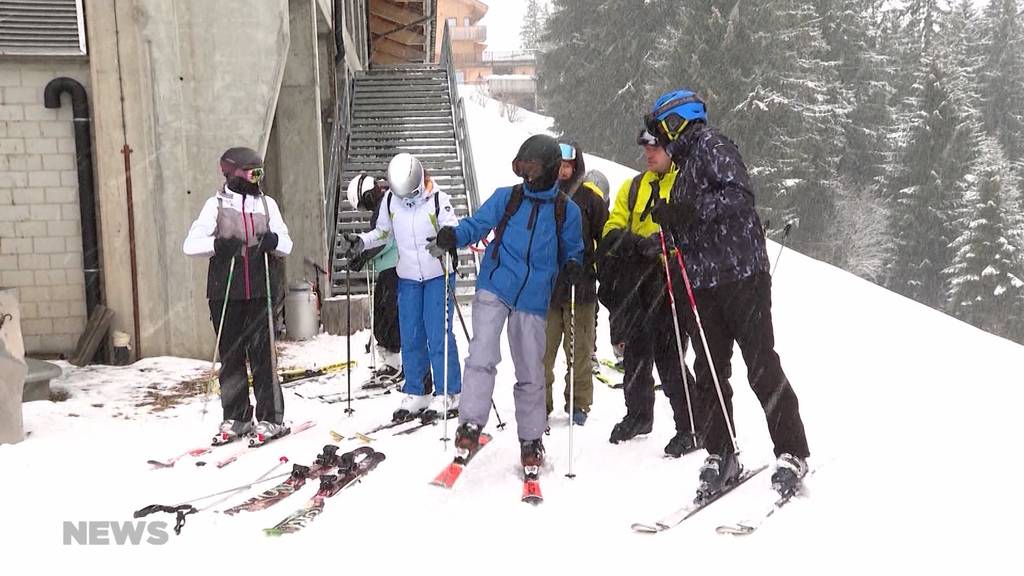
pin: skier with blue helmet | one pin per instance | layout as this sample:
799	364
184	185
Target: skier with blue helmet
713	219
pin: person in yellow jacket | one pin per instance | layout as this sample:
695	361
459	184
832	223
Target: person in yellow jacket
634	289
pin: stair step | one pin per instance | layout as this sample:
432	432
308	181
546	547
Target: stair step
408	123
364	113
362	108
425	146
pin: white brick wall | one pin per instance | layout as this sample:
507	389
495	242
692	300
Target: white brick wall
40	231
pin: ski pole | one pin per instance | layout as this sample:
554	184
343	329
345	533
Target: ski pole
447	328
782	244
220	332
348	327
572	370
707	352
371	287
275	379
679	337
462	320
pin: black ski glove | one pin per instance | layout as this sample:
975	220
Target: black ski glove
268	243
352	245
446	238
674	214
227	247
574	273
650	247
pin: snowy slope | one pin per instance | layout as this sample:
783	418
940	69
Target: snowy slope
914	416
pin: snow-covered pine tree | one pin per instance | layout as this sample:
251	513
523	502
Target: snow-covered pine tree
938	151
1001	76
532	27
986	284
592	76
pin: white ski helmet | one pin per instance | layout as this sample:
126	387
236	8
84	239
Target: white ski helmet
405	176
357	186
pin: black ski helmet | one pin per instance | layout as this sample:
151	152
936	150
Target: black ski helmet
538	161
239	158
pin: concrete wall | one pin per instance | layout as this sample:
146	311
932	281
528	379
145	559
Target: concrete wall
198	77
295	161
40	229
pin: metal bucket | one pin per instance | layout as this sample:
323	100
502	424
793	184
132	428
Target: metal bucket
300	314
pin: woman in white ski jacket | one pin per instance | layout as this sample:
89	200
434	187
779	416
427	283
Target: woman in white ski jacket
414	210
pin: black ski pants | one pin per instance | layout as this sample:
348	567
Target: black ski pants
653	344
245	337
741	313
385	311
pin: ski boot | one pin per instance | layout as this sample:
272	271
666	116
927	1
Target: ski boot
579	417
631	427
388	376
789	473
683	443
412	405
531	454
266	431
467	439
438	406
718	472
231	430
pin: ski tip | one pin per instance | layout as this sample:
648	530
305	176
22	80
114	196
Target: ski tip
644	528
157	465
735	529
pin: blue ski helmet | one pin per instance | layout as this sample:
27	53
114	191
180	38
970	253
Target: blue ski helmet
673	111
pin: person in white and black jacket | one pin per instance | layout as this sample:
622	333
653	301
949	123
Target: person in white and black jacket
411	212
240	224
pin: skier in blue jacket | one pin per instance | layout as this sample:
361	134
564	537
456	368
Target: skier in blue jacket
537	234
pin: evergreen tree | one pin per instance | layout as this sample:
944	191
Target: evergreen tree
986	285
592	78
532	27
1001	75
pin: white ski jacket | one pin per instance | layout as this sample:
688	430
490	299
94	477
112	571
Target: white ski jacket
411	223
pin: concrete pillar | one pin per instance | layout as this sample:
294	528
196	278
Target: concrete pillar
295	156
12	369
197	77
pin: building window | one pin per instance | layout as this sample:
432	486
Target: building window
56	27
466	22
453	22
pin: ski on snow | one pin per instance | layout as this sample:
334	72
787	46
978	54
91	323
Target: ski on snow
253	443
677	517
447	477
349	472
753	522
324	462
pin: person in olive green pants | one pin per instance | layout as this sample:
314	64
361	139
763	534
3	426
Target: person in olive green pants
593	215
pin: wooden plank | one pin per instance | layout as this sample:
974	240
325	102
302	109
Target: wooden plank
406	36
398	50
93	336
392	14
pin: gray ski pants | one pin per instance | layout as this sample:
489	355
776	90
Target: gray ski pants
526	342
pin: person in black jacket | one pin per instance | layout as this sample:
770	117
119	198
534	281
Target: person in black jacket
712	217
237	227
593	214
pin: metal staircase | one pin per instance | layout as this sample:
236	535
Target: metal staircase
407	108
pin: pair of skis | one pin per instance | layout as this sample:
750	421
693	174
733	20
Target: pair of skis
325	462
351	468
740	528
253	443
452	472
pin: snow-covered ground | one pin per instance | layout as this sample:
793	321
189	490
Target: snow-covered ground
914	418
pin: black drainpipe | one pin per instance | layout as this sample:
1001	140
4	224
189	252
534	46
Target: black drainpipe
86	192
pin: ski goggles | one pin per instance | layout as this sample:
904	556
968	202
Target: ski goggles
254	175
645	138
568	152
670	127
